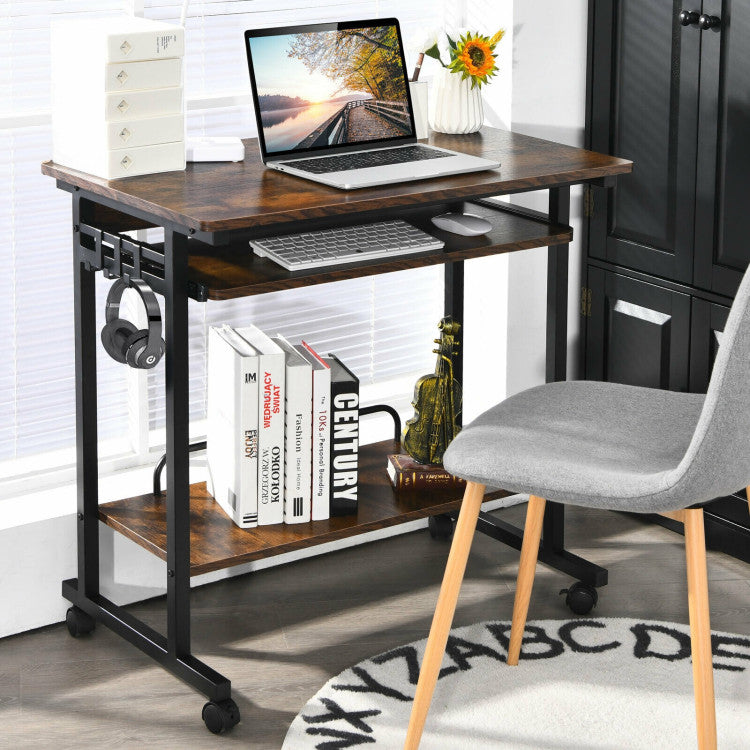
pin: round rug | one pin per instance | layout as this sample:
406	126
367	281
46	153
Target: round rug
584	684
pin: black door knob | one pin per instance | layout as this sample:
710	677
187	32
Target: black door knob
688	17
709	22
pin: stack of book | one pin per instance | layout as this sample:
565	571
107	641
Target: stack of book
283	429
117	96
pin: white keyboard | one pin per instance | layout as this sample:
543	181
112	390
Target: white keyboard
328	247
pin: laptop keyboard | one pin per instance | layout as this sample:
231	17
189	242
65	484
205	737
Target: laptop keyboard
363	159
328	247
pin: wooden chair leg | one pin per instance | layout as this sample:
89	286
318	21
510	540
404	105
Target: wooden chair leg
526	569
446	607
700	629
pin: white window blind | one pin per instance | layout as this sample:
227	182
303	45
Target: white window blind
381	326
37	400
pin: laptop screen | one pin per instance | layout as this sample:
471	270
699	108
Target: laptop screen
329	86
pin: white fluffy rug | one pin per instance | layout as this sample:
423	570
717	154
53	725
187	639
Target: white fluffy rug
581	684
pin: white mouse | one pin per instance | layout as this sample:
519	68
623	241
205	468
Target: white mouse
467	225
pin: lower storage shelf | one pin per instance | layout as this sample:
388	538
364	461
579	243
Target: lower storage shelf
216	543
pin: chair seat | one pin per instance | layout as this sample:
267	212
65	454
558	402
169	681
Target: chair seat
601	445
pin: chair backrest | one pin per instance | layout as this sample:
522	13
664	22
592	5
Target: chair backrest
717	461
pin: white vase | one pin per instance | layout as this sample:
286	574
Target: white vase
457	106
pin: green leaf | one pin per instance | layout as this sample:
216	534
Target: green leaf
451	43
434	52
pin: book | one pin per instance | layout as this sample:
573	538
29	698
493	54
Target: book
298	394
407	474
232	431
271	376
321	431
344	438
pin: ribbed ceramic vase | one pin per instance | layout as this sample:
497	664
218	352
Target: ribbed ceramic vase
457	107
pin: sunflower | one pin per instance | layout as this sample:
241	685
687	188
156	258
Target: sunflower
477	58
473	57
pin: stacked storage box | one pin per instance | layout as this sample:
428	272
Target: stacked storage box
117	97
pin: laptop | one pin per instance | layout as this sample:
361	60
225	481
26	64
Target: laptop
333	105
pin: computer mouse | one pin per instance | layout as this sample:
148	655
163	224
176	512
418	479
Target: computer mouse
467	225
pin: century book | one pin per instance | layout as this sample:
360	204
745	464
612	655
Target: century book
344	438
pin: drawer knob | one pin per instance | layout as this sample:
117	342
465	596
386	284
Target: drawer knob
709	22
689	17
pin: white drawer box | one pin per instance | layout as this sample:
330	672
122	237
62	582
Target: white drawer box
127	162
135	105
148	132
74	134
138	76
116	39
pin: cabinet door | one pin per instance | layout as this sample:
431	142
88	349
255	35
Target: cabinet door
707	323
722	249
643	105
637	332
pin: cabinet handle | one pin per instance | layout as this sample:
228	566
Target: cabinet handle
689	17
709	22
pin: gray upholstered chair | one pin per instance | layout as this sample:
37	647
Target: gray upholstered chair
611	446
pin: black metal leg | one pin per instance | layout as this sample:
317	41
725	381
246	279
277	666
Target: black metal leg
84	300
454	306
552	550
553	530
172	651
557	290
177	428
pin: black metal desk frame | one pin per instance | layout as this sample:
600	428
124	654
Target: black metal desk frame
167	273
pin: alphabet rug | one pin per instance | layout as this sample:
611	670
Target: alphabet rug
583	684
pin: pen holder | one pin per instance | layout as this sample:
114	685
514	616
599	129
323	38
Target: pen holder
419	103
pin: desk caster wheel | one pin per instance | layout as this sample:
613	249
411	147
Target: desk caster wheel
441	527
78	622
581	598
220	716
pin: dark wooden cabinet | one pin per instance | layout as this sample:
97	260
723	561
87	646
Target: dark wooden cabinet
645	72
638	332
676	100
667	246
723	164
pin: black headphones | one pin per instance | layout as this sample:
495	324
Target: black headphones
125	343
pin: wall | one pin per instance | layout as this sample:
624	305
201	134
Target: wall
485	313
549	100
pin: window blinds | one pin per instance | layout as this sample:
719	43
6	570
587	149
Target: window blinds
37	400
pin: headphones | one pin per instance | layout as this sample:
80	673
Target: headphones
125	343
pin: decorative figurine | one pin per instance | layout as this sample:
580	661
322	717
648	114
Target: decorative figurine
437	403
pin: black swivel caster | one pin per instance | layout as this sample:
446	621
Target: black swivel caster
441	527
220	716
78	622
581	598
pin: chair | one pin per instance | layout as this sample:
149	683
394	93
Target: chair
610	446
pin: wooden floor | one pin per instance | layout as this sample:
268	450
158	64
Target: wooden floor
281	633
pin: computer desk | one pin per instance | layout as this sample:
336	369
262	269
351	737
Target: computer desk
208	213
